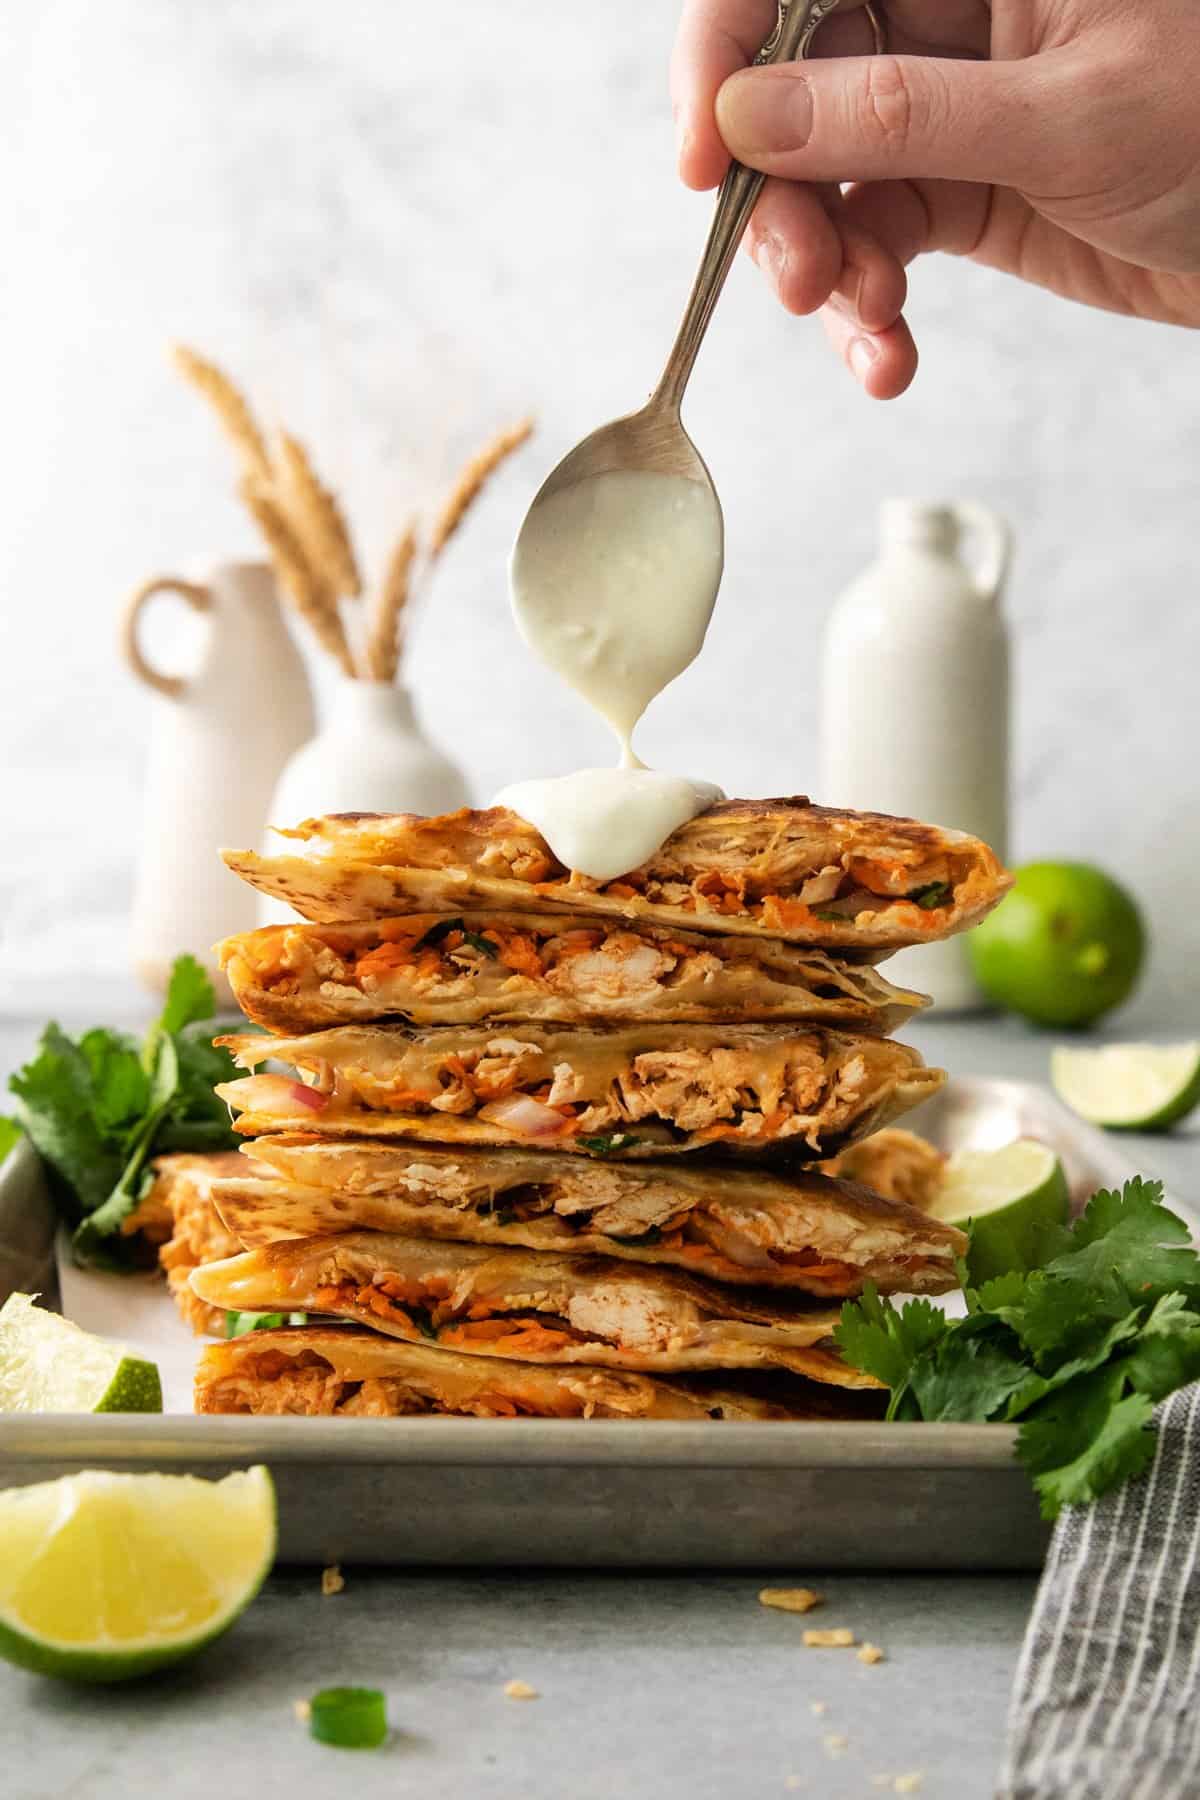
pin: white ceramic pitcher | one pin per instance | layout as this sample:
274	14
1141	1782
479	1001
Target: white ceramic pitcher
370	755
218	741
915	695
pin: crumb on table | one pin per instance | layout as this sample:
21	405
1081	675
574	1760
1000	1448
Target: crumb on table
520	1690
835	1742
839	1638
908	1784
794	1600
332	1579
302	1710
870	1653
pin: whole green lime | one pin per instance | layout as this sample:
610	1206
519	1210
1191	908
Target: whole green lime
1063	948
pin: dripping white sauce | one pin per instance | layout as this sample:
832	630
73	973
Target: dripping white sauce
613	584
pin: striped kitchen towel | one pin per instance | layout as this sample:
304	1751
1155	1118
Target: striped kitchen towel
1106	1704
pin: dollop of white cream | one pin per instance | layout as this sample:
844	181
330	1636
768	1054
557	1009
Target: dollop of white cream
606	822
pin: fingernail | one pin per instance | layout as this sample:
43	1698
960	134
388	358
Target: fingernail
863	356
761	111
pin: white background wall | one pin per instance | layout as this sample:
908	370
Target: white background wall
405	225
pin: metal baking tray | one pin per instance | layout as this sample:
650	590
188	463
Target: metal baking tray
600	1494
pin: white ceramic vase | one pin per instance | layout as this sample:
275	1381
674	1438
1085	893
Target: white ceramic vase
915	696
218	740
370	755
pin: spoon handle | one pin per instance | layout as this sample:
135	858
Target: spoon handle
794	31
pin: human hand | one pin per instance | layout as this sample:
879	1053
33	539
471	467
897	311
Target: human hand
1058	140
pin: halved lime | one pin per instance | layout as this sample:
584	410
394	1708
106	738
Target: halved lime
49	1365
1013	1198
103	1577
1129	1087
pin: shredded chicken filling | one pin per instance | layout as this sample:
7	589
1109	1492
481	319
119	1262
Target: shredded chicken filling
426	1309
733	1091
843	890
595	962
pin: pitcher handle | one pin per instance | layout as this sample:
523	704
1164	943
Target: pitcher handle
197	597
995	539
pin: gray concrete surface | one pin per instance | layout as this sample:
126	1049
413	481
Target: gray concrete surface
656	1688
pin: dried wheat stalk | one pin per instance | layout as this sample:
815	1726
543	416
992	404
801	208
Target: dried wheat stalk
229	405
313	599
381	657
318	520
471	481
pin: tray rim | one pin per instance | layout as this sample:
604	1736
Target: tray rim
434	1442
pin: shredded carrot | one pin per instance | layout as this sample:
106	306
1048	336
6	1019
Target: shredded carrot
383	958
511	1337
792	915
518	952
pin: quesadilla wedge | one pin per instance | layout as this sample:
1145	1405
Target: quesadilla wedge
637	1090
895	1163
323	1370
537	1308
505	967
857	882
177	1214
742	1225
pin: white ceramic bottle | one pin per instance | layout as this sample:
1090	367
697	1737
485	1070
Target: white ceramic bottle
370	755
218	740
915	696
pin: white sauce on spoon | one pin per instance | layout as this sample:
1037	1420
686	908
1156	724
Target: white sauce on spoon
613	584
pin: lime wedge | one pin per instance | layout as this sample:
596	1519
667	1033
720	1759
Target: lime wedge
1129	1087
1013	1198
103	1577
49	1365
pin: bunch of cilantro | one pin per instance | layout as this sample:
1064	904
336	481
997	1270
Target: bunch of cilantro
98	1107
1077	1352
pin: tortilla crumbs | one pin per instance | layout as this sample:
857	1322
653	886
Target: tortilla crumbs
332	1579
520	1690
793	1600
840	1638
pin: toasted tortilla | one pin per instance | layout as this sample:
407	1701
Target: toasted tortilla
742	1225
857	882
505	966
532	1306
177	1214
326	1370
895	1163
636	1090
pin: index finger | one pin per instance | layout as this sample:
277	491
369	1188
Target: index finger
715	39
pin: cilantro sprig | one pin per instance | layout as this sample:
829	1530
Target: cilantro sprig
1076	1353
98	1107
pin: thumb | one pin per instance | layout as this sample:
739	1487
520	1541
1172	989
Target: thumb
871	118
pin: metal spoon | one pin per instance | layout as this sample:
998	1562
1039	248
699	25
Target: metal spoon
653	439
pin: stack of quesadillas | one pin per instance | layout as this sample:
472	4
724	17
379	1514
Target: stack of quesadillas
545	1145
